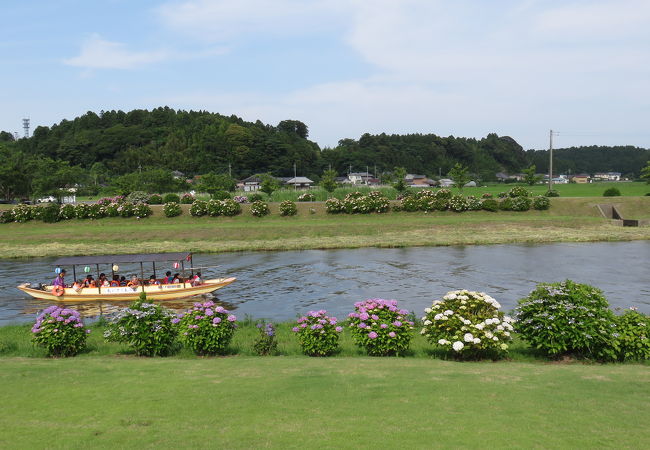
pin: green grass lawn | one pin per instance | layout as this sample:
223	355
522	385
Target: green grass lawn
569	219
300	402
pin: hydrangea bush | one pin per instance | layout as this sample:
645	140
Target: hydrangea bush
67	212
172	209
206	329
632	336
318	333
142	210
334	206
240	199
126	209
199	208
518	191
187	199
541	203
145	327
307	197
468	324
567	318
60	331
288	208
260	209
155	199
380	327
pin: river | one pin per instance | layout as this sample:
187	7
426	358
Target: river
280	285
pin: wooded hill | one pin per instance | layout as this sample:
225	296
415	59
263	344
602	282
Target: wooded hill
199	142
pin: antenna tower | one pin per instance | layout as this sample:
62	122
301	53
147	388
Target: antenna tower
26	127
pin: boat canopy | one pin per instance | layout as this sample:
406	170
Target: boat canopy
132	258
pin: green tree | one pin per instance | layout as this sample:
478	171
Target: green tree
328	181
14	175
151	181
459	175
98	173
399	182
212	183
645	173
269	184
529	175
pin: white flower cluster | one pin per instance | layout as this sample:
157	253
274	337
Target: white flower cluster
467	320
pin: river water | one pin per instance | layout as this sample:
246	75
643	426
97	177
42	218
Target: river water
280	285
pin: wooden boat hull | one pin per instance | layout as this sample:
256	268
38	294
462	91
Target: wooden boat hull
157	292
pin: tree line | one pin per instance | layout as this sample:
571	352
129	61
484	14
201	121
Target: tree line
139	149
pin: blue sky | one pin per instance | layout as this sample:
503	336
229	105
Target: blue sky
462	68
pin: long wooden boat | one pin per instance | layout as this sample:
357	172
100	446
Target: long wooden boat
126	293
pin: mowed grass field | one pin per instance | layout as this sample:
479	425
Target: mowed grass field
300	402
569	219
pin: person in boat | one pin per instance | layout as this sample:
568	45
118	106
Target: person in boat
196	281
103	281
153	281
60	279
123	281
78	285
177	278
168	277
89	282
116	281
134	282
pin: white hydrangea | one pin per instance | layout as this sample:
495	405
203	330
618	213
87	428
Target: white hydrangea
444	342
427	310
458	346
427	322
488	335
438	317
500	327
467	322
488	321
504	346
468	337
449	312
480	326
477	341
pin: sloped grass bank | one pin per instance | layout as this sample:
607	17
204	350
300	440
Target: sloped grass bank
299	402
569	219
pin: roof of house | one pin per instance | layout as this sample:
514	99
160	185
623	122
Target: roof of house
299	180
132	258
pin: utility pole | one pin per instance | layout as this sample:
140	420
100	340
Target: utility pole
230	170
550	164
295	184
366	175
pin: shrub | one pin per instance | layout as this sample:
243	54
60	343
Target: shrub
255	197
552	193
518	191
96	211
266	343
541	203
410	204
141	210
107	200
230	207
137	197
288	208
468	324
318	333
155	199
260	209
457	203
112	210
187	199
443	194
199	208
380	327
82	211
612	192
357	203
240	199
172	209
490	204
22	213
6	216
334	206
60	331
505	204
126	209
206	329
307	197
378	202
487	195
145	327
67	212
566	318
171	198
50	213
213	208
632	336
520	203
473	203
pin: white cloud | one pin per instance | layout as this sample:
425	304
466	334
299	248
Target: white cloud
97	53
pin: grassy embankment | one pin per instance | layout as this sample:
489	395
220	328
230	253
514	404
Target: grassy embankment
293	401
569	219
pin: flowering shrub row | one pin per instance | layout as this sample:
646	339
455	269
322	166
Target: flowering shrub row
444	200
24	213
357	203
214	208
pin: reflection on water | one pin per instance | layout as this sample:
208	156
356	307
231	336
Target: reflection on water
281	285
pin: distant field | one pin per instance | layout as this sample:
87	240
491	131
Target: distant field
569	219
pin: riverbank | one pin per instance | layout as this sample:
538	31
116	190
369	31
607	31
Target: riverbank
568	220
